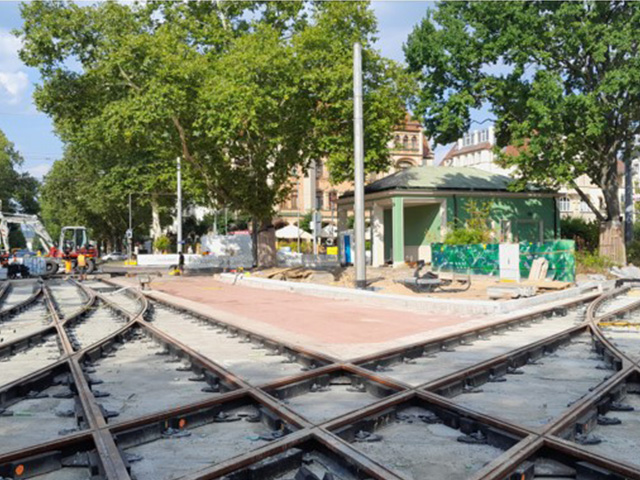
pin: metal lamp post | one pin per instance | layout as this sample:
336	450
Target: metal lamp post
358	131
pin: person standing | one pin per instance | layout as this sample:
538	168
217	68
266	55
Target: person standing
82	267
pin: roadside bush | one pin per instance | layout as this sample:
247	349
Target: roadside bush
633	252
162	244
585	234
305	247
476	229
592	262
466	236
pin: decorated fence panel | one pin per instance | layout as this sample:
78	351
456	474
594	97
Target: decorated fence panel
483	259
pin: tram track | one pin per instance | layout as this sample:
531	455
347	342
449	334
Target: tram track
263	405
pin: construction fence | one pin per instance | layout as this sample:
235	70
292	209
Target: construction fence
484	259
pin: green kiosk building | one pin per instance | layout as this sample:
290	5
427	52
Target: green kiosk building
413	208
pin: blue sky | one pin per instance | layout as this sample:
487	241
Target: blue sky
32	131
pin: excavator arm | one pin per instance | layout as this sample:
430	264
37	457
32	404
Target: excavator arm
23	219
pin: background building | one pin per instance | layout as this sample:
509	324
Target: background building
475	149
409	147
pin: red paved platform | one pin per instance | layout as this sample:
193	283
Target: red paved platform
321	321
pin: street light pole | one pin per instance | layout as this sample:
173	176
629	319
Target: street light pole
358	130
179	206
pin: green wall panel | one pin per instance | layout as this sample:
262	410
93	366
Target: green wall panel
526	210
421	225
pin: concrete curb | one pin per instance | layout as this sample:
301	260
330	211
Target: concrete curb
416	304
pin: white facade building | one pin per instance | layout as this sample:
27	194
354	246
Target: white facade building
475	149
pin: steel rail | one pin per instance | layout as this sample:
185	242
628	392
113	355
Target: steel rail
531	440
200	358
25	303
595	323
112	462
477	330
38	335
574	416
295	348
4	287
43	447
398	398
510	460
485	365
621	468
246	459
44	330
296	440
487	419
582	406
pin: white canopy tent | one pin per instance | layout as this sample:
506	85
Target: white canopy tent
291	232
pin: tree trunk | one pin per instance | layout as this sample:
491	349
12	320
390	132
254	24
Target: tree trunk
156	228
263	238
611	231
267	246
254	241
628	194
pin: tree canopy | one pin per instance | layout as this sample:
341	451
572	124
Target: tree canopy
244	91
18	190
561	78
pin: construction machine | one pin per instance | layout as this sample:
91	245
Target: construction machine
73	242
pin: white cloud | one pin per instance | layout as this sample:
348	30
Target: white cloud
13	79
12	86
39	170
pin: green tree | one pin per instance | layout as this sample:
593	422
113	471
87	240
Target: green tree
325	48
305	221
242	91
18	191
561	78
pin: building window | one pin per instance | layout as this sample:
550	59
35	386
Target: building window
405	142
565	204
414	143
320	200
483	136
397	142
467	139
293	201
319	168
404	164
584	208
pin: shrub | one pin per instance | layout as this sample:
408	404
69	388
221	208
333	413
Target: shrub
633	252
477	228
305	247
585	234
592	262
466	236
162	243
